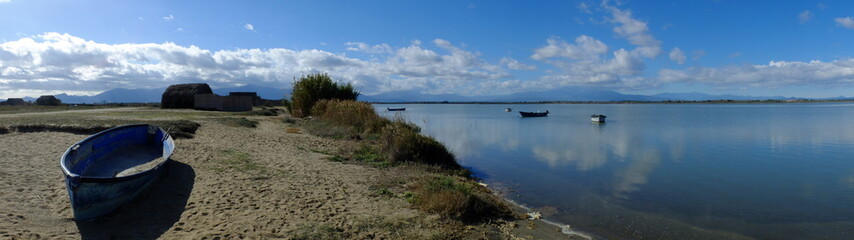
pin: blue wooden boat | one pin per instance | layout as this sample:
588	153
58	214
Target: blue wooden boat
112	167
534	114
395	109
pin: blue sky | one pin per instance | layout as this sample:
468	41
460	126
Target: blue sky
759	48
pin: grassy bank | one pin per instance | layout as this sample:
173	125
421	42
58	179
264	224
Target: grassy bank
441	187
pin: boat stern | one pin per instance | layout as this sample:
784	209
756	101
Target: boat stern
92	198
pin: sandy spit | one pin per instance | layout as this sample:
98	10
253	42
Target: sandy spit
225	183
228	182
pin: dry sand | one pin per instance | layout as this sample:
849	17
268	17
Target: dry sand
225	183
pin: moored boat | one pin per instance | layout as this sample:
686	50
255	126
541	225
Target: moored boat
597	118
508	109
112	167
534	114
395	109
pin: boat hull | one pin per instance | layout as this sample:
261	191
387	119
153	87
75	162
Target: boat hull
395	109
598	119
92	199
95	168
534	114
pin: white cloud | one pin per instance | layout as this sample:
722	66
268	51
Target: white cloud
585	47
677	56
634	30
249	27
622	70
55	63
5	1
774	74
583	7
516	65
805	16
585	63
363	47
169	18
697	54
179	29
846	22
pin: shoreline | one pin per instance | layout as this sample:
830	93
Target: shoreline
721	101
532	215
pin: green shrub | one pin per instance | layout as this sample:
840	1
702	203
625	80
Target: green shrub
370	155
401	143
463	200
314	87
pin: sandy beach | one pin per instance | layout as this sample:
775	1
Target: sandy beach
227	182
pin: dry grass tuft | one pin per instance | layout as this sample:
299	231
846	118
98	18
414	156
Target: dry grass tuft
359	116
459	199
239	122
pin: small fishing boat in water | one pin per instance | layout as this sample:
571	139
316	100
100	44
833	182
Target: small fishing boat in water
112	167
395	109
534	114
508	109
597	118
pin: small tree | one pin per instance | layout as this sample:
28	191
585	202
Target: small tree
312	88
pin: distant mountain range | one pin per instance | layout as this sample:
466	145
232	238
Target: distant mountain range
580	94
121	95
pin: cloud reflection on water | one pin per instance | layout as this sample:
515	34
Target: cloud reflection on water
698	163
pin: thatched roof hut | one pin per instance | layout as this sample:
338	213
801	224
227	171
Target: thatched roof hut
14	101
183	95
48	100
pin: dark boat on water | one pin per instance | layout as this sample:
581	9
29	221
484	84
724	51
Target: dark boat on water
112	167
534	114
597	118
395	109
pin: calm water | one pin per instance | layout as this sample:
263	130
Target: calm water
664	171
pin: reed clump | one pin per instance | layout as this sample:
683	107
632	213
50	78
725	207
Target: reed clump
398	140
401	142
359	116
458	199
